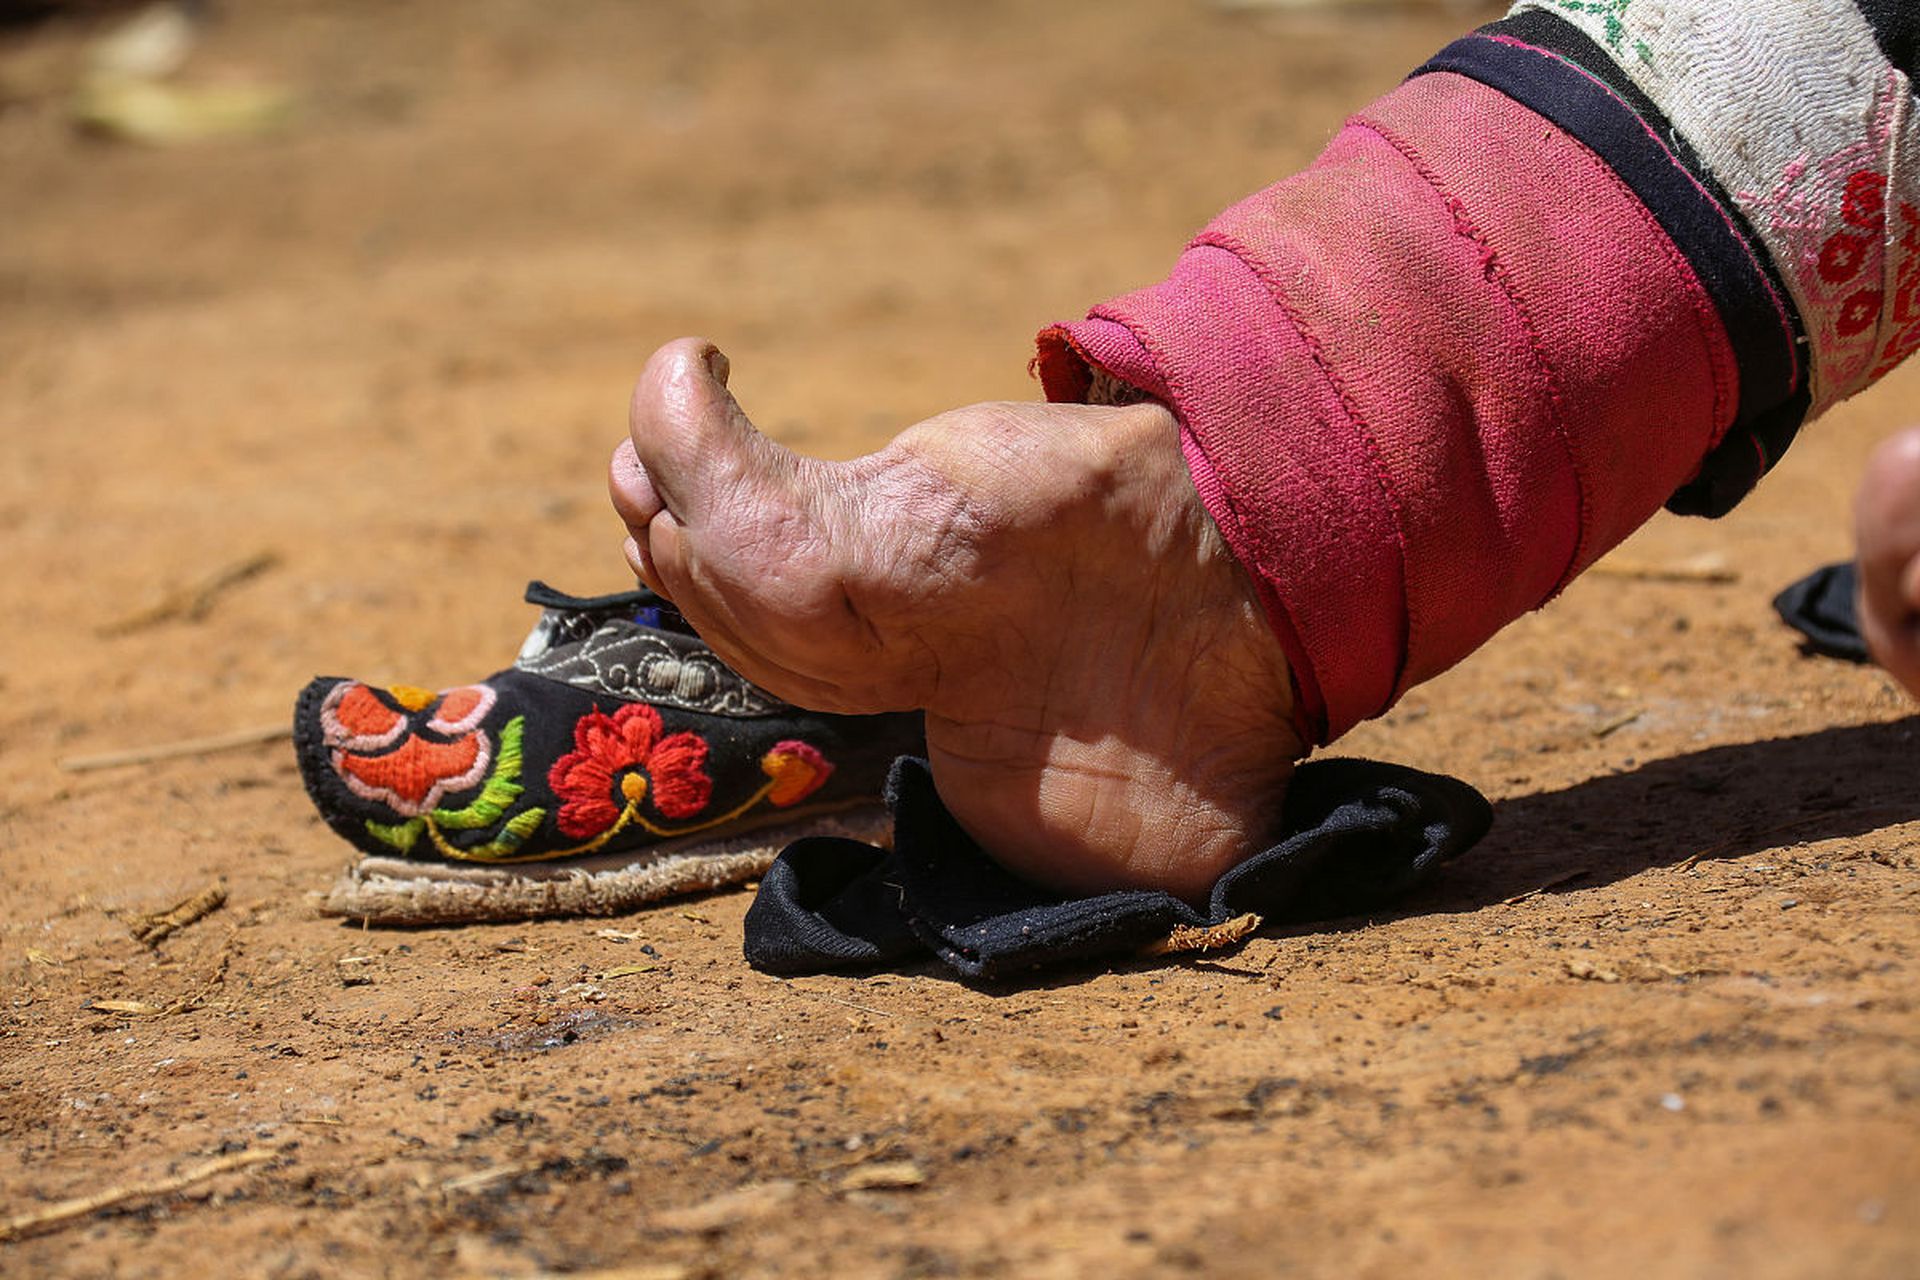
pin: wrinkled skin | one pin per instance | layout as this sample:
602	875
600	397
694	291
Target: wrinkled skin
1106	705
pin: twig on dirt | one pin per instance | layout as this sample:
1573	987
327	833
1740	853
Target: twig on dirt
193	603
1710	570
886	1175
151	929
132	1008
1619	722
627	971
1565	877
141	1009
863	1008
174	750
85	1206
185	1004
1204	937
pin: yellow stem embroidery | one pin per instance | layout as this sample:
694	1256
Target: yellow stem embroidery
629	816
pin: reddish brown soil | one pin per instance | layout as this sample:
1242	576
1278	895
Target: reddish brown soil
392	346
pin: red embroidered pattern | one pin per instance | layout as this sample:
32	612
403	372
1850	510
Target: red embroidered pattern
1864	202
624	755
1841	256
1905	319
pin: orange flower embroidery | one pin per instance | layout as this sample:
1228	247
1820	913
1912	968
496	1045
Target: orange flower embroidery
369	741
797	771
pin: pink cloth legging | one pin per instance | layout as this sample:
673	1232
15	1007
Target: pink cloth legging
1422	384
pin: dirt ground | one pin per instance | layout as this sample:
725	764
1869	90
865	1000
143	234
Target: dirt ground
1662	1022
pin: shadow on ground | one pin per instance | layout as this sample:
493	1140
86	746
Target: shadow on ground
1723	802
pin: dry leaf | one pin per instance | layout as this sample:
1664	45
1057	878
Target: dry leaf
626	971
159	114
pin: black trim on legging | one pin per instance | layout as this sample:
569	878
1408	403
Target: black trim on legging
1551	67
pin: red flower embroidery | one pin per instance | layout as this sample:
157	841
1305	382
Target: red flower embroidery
1865	202
360	729
797	771
1840	257
626	749
1858	312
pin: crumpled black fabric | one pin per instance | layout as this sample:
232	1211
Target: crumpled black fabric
1820	607
1359	834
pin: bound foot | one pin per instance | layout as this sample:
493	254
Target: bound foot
1106	706
1888	530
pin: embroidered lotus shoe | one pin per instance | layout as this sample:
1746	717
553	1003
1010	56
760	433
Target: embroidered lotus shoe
617	762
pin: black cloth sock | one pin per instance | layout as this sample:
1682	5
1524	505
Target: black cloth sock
1820	608
1357	835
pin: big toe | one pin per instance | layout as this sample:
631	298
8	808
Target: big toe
689	444
696	483
749	539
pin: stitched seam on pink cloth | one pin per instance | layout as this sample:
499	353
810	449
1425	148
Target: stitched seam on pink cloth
1779	306
1301	664
1496	270
1724	375
1221	240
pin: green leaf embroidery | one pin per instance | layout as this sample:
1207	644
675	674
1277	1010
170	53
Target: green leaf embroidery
498	794
511	837
401	836
518	828
502	787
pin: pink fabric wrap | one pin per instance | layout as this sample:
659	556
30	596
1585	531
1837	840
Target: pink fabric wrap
1422	384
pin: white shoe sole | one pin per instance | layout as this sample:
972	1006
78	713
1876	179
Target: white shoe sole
401	891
